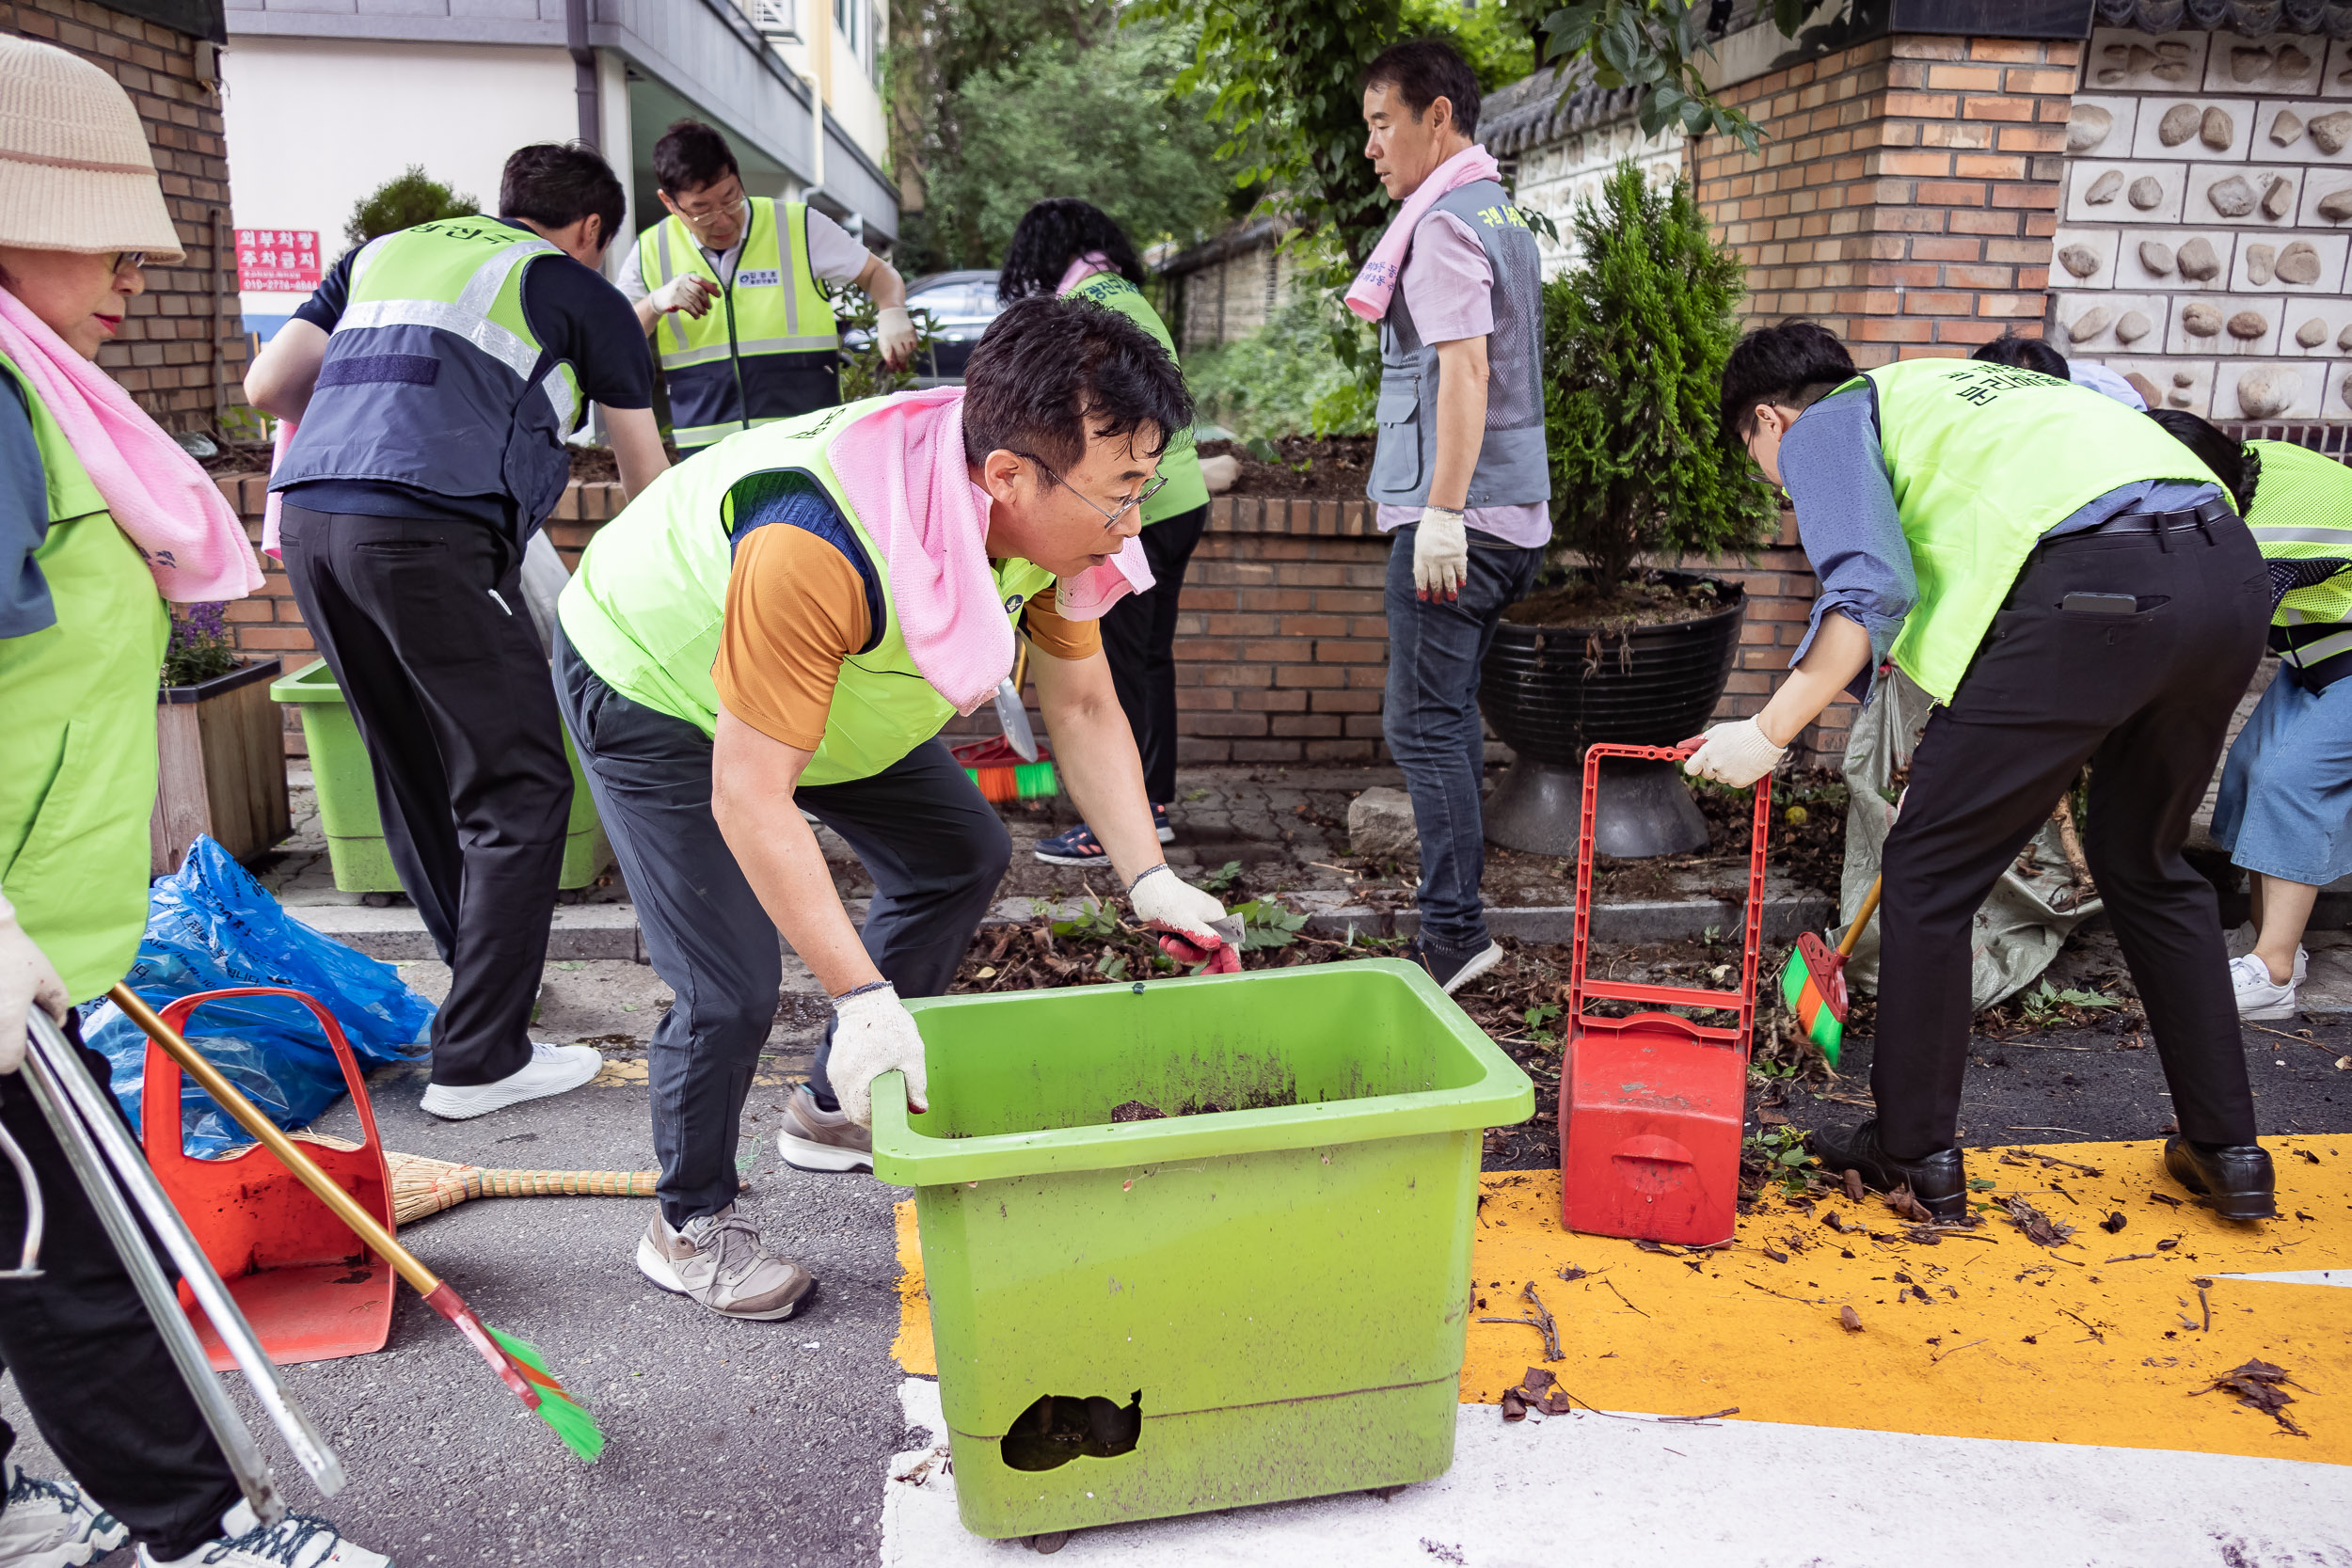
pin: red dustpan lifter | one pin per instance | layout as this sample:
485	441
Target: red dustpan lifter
310	1290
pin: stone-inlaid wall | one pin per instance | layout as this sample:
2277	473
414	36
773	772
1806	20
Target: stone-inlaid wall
2201	248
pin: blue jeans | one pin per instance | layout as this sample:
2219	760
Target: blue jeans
1429	718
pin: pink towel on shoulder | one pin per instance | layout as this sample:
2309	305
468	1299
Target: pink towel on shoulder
1081	269
1368	296
161	498
904	468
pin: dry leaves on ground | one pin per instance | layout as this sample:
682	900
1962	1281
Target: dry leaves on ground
2260	1385
2038	1227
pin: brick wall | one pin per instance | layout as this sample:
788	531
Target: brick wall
1906	191
1281	644
183	350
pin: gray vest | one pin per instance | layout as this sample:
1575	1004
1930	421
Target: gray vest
1512	470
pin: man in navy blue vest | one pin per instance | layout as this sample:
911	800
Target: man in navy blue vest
436	374
1459	475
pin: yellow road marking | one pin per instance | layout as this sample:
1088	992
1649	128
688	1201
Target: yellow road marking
2014	1340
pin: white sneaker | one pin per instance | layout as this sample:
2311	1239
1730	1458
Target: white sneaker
2258	995
552	1070
53	1524
297	1541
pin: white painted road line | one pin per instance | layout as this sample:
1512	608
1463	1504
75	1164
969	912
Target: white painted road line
1599	1492
2299	1276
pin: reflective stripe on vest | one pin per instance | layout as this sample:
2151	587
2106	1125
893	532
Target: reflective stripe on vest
2302	511
787	314
647	605
468	316
1983	460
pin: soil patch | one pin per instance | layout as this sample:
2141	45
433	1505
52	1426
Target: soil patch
597	466
1310	468
1656	600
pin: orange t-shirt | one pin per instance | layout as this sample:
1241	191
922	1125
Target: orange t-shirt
795	609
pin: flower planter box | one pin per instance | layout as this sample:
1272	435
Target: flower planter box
221	767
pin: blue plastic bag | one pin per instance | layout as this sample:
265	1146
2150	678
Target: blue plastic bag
210	925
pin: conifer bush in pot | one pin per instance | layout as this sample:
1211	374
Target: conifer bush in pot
1614	644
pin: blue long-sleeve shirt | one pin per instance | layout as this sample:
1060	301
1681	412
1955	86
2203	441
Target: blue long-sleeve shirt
24	606
1835	475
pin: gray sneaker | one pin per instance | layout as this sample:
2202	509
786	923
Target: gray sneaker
813	1139
718	1259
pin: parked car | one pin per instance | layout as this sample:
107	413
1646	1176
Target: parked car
960	306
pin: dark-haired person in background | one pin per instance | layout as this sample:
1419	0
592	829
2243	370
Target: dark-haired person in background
2072	586
2035	353
1073	249
1460	473
787	623
435	374
2284	811
728	284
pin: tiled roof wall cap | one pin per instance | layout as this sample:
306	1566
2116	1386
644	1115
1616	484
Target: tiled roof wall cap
1529	112
2251	18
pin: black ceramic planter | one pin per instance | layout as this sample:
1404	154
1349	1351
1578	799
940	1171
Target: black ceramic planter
1551	691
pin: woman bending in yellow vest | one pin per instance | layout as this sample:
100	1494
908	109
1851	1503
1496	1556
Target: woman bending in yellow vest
2284	813
2072	586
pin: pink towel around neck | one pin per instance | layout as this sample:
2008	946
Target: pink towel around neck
904	468
1083	268
1368	296
161	497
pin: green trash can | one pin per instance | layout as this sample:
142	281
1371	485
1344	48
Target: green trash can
346	786
1261	1302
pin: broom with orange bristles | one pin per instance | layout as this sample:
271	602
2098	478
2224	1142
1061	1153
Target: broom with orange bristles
422	1186
518	1363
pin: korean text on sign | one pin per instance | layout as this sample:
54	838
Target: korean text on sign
283	260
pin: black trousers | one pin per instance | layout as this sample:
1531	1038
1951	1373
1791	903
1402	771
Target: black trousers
936	850
88	1361
424	623
1139	640
2145	699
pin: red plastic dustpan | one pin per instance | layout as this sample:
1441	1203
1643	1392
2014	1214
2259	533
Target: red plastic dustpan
1651	1104
308	1285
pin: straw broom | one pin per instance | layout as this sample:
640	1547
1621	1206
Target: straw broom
422	1185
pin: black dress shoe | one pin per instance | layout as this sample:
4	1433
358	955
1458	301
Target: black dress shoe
2235	1179
1938	1182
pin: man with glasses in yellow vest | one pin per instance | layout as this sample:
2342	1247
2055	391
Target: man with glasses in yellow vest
728	286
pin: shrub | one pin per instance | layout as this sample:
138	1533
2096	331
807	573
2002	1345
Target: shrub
1635	336
1284	379
402	202
200	646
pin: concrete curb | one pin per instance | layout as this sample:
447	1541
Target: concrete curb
397	934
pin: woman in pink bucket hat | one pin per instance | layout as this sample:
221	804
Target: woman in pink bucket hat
102	518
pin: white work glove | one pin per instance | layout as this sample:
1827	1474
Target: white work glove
1440	554
685	293
875	1034
1186	921
1736	753
894	329
27	980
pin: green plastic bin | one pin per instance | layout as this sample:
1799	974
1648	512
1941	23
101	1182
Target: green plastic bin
1280	1289
346	786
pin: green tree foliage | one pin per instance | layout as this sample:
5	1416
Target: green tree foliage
1635	340
1071	103
402	202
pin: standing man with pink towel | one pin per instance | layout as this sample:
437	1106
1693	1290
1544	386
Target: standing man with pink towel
1460	475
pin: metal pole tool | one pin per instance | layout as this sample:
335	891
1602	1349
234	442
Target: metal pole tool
122	1190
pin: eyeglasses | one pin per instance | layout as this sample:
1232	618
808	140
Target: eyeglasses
130	259
736	208
1110	519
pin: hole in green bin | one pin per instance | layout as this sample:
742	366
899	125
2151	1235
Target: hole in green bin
1059	1428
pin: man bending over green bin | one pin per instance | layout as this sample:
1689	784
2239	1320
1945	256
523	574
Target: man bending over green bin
785	624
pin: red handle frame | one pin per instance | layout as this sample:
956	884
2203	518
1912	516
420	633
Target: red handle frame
159	1085
1582	989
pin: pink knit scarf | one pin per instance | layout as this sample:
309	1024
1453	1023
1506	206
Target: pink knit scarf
1368	296
161	497
904	468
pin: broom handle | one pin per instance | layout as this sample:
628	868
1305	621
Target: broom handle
226	1095
1861	916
